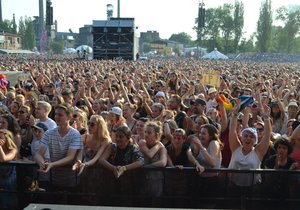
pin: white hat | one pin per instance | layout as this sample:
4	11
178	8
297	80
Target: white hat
116	110
160	94
293	103
212	90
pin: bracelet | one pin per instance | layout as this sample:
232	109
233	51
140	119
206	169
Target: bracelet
124	168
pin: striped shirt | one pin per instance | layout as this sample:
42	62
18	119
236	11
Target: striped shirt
58	149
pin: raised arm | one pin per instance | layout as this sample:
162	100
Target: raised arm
234	141
263	145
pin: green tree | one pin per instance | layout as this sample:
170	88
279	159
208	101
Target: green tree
29	34
6	26
264	27
291	20
238	22
22	27
182	38
57	46
247	45
227	25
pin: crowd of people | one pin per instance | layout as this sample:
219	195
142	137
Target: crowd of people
69	115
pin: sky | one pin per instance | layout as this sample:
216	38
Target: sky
164	16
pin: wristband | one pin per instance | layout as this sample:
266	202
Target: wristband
124	168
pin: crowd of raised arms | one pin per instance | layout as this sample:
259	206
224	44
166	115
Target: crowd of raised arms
122	115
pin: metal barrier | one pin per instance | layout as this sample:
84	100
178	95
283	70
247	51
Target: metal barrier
153	187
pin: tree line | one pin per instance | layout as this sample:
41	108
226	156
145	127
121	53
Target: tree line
224	30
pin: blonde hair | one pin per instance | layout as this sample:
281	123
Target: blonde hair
9	139
157	127
102	129
45	105
83	115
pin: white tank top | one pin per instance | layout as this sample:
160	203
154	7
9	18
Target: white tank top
243	162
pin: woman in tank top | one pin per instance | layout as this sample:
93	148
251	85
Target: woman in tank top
244	154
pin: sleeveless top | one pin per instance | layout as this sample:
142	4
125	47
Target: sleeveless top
243	162
88	153
201	159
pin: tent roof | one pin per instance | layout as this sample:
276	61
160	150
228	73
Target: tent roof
215	54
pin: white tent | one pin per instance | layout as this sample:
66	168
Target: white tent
215	54
86	48
69	51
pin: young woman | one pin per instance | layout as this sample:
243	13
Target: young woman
95	143
122	155
140	130
180	154
80	121
244	154
155	156
128	112
210	147
8	182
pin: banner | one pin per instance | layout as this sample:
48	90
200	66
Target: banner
211	78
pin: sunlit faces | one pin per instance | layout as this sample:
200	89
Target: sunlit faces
204	136
156	111
92	125
150	135
248	139
40	111
61	116
140	126
178	139
260	131
38	133
121	140
3	123
14	107
282	151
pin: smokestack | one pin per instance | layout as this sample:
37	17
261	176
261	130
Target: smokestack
1	20
41	15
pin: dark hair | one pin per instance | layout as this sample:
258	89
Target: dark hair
285	142
143	119
213	133
125	130
13	125
67	107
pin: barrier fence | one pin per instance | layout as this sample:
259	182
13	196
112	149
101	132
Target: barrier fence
153	187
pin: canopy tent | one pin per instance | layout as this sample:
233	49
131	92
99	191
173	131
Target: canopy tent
69	51
85	48
215	54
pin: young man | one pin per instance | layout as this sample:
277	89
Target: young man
63	142
42	111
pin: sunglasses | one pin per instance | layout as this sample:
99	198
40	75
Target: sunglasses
91	124
259	129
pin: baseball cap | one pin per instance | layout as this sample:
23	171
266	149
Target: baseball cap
116	110
212	90
41	126
160	94
198	101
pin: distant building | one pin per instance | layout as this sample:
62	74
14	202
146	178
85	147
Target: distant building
69	38
85	36
10	41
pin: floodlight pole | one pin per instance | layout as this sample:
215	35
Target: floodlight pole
118	8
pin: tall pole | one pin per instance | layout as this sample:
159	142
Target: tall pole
41	16
1	20
201	24
118	8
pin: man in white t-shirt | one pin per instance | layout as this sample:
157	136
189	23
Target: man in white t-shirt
42	111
